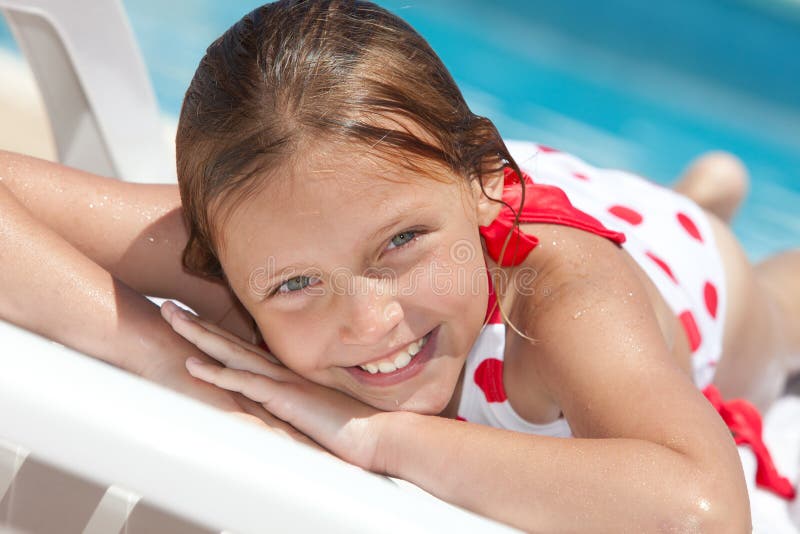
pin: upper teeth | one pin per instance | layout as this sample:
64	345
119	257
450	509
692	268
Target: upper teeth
400	359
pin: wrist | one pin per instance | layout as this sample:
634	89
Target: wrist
394	428
150	347
163	353
165	365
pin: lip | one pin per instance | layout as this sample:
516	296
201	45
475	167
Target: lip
395	377
391	353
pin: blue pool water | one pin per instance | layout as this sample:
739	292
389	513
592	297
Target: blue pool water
621	83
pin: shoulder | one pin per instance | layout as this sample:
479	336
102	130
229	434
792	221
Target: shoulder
565	257
569	273
593	326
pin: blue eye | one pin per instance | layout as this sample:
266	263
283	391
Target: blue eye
401	239
297	283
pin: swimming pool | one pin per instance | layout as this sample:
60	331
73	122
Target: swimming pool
620	83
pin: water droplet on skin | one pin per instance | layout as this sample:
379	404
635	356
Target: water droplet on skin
151	239
704	505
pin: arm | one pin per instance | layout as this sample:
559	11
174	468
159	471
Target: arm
50	287
133	231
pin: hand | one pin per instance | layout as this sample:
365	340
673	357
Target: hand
347	427
172	373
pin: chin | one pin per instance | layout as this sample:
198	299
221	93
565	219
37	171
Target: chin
425	405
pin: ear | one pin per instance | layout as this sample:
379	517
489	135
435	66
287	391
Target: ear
486	199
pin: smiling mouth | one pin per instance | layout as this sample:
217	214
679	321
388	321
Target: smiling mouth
399	359
386	372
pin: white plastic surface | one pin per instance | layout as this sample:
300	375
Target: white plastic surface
95	86
106	425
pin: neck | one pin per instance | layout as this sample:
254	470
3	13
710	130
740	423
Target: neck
451	410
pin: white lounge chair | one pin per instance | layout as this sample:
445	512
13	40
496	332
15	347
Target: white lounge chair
116	438
94	84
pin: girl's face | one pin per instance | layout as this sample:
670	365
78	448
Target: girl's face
364	276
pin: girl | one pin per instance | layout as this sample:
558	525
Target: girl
381	237
332	173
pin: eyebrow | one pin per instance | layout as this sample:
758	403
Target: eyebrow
385	228
396	219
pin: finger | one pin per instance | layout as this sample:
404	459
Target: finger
250	418
277	396
172	313
252	385
255	411
341	424
225	351
279	403
169	309
233	338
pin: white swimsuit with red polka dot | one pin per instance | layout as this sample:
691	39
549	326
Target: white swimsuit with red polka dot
668	235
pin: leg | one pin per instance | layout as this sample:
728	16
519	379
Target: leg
779	276
717	181
761	345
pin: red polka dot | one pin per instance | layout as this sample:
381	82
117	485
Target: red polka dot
661	263
580	176
692	332
710	295
626	214
689	226
489	377
545	148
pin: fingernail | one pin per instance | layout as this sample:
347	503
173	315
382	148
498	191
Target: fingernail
193	360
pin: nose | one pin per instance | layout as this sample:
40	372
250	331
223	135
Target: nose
372	311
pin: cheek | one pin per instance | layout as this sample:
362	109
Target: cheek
453	281
293	341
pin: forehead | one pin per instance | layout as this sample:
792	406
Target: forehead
340	178
332	198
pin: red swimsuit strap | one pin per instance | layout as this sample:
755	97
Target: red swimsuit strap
542	204
745	424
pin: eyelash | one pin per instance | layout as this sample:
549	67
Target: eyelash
277	290
415	235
